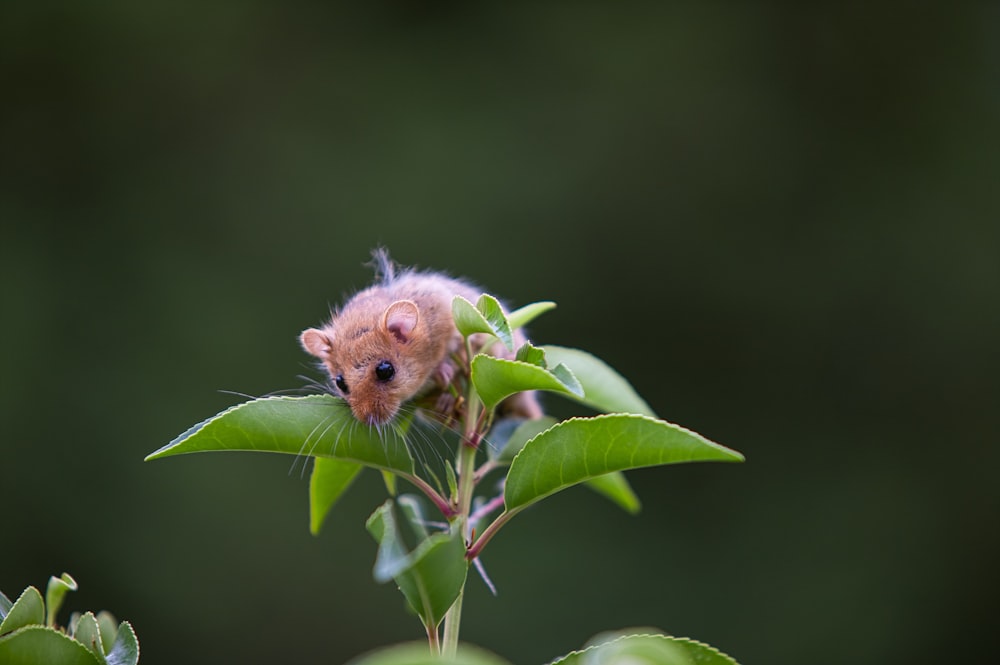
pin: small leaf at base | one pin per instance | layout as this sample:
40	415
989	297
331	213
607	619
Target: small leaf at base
431	577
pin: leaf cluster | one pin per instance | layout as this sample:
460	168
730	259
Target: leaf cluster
29	634
538	458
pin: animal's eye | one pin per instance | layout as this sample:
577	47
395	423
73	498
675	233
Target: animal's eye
341	384
384	371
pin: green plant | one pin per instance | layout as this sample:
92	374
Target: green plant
29	634
537	459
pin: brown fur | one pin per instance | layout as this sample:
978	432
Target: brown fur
407	321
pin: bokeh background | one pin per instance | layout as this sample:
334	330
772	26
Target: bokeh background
779	222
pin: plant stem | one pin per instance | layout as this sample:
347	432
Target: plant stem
466	463
432	639
443	505
452	621
476	548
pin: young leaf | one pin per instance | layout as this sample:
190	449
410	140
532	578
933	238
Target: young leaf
497	378
484	317
659	649
579	449
431	577
525	315
41	645
27	610
329	480
319	425
604	389
531	355
125	650
54	594
493	313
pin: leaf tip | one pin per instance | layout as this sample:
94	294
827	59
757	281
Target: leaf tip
165	451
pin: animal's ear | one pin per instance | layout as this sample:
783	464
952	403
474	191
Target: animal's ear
401	318
317	343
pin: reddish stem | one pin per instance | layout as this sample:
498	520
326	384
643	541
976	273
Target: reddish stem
477	547
442	504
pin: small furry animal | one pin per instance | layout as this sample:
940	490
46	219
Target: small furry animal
397	340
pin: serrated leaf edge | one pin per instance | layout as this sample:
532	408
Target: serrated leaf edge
521	363
738	456
191	431
114	657
669	638
24	593
41	627
505	334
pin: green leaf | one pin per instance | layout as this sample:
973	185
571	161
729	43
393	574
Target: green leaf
329	480
531	355
486	316
613	486
27	610
491	310
525	315
604	389
468	319
579	449
431	577
616	488
418	654
497	378
318	425
88	633
54	594
41	645
647	650
125	650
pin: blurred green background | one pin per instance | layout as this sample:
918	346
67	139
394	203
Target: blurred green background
779	222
